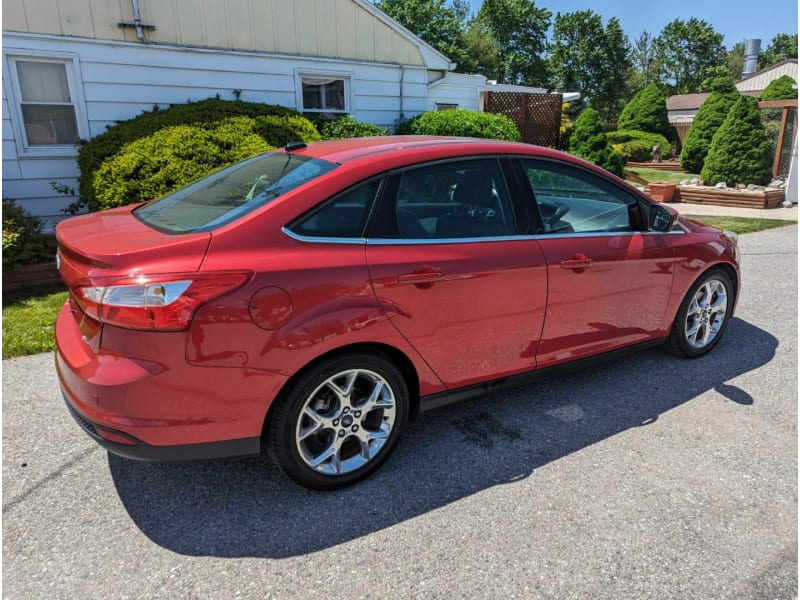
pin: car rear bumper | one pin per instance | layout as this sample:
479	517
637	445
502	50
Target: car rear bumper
150	404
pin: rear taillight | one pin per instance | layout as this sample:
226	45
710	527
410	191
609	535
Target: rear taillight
163	302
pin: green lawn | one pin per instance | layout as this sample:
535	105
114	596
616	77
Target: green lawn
28	321
741	224
658	176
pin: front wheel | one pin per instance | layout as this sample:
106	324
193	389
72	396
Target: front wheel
339	421
703	315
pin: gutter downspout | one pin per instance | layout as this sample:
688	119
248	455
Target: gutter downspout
137	20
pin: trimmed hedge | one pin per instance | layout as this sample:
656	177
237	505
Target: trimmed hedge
589	141
172	158
638	145
460	122
740	150
348	127
647	111
708	120
23	241
206	114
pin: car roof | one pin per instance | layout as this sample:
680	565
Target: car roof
346	150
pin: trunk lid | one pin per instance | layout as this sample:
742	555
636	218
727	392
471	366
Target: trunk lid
114	242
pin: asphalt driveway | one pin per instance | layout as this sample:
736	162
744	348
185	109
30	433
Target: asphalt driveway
648	476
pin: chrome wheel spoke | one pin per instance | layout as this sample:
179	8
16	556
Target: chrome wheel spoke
345	422
706	313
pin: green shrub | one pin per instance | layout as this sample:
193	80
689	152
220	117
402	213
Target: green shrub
172	158
589	141
204	114
279	130
740	151
780	89
348	127
647	111
638	145
23	241
464	123
708	120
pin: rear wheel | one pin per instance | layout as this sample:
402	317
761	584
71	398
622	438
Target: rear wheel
703	315
340	421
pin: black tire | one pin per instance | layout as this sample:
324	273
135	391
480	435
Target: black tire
339	421
703	316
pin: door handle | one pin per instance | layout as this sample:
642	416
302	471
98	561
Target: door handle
577	263
422	276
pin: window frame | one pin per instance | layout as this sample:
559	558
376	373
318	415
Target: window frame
14	96
344	76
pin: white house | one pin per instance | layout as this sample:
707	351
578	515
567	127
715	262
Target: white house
71	68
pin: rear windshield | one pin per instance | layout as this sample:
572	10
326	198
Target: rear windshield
228	194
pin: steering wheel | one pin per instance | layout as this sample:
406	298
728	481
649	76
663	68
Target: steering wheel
560	211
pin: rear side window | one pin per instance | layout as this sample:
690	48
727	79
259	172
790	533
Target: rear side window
343	216
230	193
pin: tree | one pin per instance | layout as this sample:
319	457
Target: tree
520	30
647	111
686	53
482	51
439	25
783	46
783	88
708	120
614	72
736	60
740	150
589	141
642	57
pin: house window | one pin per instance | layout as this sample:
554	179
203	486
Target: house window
445	106
46	107
324	95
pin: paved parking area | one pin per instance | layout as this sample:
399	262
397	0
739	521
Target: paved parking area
647	477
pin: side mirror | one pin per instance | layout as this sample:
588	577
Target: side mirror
661	219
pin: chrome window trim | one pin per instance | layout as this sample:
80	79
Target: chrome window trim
471	240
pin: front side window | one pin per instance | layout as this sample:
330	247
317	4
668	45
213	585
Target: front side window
46	102
230	193
458	199
571	200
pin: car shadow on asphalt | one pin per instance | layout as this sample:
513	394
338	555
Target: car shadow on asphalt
246	507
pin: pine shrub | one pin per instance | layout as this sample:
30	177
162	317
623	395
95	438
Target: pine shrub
780	89
589	141
708	120
740	151
647	111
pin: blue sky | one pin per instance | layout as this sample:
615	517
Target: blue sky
734	19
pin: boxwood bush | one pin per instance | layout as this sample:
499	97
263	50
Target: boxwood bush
347	127
740	151
638	145
23	241
171	158
274	124
462	123
589	141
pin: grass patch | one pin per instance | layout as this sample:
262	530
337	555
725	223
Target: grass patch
658	176
741	224
28	319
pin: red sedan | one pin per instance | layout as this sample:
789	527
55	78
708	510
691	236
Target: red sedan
310	300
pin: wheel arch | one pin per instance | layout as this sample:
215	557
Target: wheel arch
398	357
